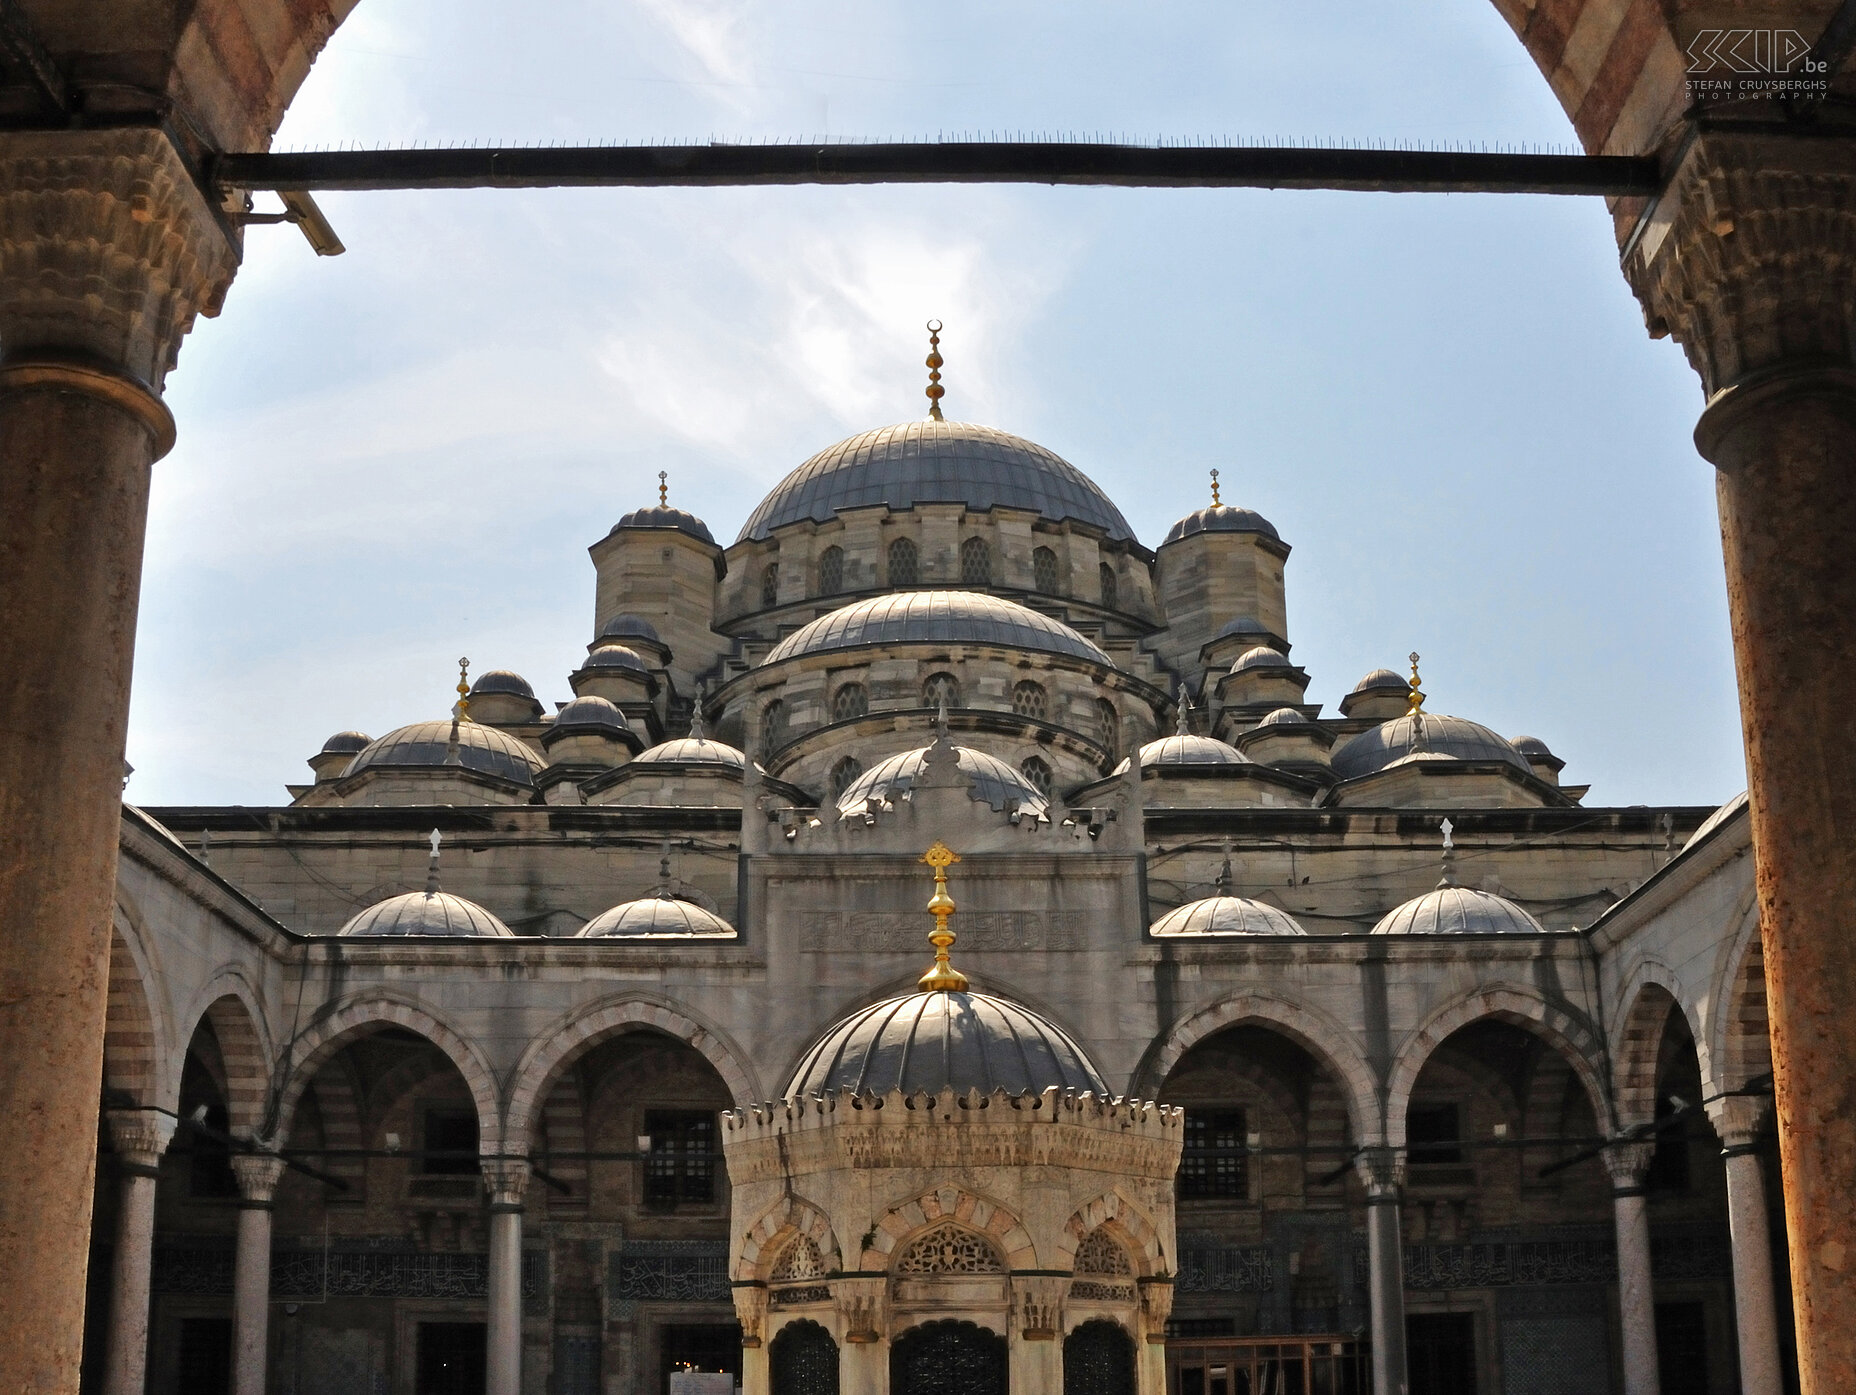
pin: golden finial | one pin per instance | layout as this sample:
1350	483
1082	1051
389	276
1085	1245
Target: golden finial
943	976
935	391
663	489
1417	693
1216	503
463	707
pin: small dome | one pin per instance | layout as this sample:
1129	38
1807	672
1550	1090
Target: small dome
1221	518
693	750
425	745
1382	680
941	1041
1261	657
501	680
1227	915
1457	910
1443	738
1716	819
989	779
657	918
427	913
622	627
1242	625
936	617
1530	746
1285	717
1190	750
663	516
588	714
346	743
616	656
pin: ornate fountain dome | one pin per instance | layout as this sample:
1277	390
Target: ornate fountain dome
936	462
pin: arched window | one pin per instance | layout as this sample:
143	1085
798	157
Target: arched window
770	584
1028	699
975	563
1108	727
941	688
803	1360
1098	1359
831	571
1044	571
1109	587
1034	769
852	700
904	564
844	774
773	725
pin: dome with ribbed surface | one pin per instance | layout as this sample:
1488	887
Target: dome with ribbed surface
936	462
1441	738
693	750
1285	717
989	780
502	680
427	913
346	743
1226	915
945	1041
657	918
616	656
663	516
629	626
1720	816
1459	910
425	746
1221	518
1190	750
1262	656
1382	680
588	714
1530	746
936	617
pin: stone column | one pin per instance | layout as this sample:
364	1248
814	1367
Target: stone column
751	1312
140	1137
108	252
1384	1172
1034	1343
1636	1296
251	1271
1150	1355
1739	1120
1747	259
863	1350
507	1179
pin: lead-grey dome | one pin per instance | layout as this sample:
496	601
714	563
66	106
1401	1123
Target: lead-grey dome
590	714
693	750
1458	910
629	627
1226	915
942	462
425	745
1188	750
657	918
1443	738
989	780
1382	680
1260	656
427	913
937	617
945	1041
1221	518
502	680
664	516
1720	816
1285	717
616	656
346	743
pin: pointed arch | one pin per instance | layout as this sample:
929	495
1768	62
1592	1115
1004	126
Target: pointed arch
774	1229
137	1068
1738	1035
907	1221
1123	1219
229	1005
1651	995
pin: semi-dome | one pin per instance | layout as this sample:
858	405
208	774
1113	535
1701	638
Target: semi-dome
427	912
628	626
1716	819
501	680
346	743
1262	656
1221	518
426	745
1226	915
616	656
1458	910
1285	717
989	779
937	617
936	462
945	1040
693	750
664	516
1441	738
1188	750
1382	680
657	918
591	714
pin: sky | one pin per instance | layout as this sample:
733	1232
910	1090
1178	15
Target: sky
1446	404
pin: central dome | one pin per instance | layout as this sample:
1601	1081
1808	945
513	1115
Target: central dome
936	462
937	617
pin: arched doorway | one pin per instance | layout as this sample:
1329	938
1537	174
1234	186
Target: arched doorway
948	1358
1098	1359
804	1360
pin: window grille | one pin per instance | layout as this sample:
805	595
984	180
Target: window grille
1434	1133
770	584
680	1166
1108	727
948	1249
975	563
844	774
799	1260
773	724
1044	571
831	571
454	1132
1213	1163
904	564
1034	769
852	700
1109	586
1028	700
941	687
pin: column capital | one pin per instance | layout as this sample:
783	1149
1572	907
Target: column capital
1156	1307
1037	1302
139	1136
257	1175
1382	1169
507	1179
751	1312
1740	1119
863	1308
1627	1163
111	250
1748	258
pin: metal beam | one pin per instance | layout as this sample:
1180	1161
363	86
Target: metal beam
951	162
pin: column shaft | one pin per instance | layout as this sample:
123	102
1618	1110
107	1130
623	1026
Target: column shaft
755	1376
1386	1293
863	1368
139	1138
505	1334
1636	1298
1755	1311
251	1300
1036	1367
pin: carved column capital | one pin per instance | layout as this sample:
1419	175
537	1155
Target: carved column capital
1748	259
1739	1120
751	1312
1039	1304
507	1180
257	1175
140	1137
1382	1169
108	250
1627	1163
1156	1306
862	1306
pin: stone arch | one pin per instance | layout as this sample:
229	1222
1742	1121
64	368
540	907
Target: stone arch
571	1037
1739	1036
1651	995
1571	1035
356	1017
229	1006
1331	1045
1123	1219
137	1065
769	1235
907	1221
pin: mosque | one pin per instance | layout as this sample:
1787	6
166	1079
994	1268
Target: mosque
937	943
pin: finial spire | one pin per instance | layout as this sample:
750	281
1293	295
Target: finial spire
1224	872
1216	502
431	867
934	361
696	731
940	717
1184	724
1449	876
1417	693
663	489
943	976
462	710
